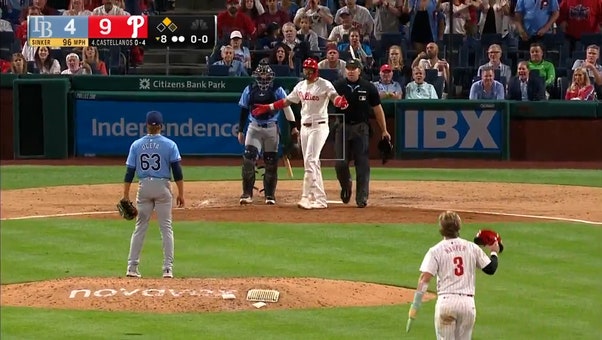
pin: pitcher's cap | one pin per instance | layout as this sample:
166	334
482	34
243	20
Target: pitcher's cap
154	118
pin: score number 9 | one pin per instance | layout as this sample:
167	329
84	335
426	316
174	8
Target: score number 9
105	26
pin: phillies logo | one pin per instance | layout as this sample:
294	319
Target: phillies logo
308	96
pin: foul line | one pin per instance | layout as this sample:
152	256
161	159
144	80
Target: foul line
564	219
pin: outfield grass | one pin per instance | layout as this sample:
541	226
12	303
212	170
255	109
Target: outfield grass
547	286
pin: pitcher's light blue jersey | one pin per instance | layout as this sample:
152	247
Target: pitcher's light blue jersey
152	156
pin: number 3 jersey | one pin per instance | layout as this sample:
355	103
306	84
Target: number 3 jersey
152	156
454	262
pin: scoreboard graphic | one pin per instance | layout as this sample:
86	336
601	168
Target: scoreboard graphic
177	31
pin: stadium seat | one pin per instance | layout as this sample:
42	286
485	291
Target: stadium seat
439	84
389	39
591	39
431	75
6	45
218	70
329	74
281	70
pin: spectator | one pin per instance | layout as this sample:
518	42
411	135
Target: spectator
77	8
320	17
272	15
108	9
522	87
386	17
272	37
282	55
420	89
241	53
339	31
386	86
430	60
533	19
5	25
487	87
577	17
495	62
461	10
236	68
253	9
397	64
357	49
233	20
44	8
21	31
289	7
495	17
300	48
75	66
13	11
18	64
424	21
45	63
594	70
546	69
90	56
362	19
307	33
333	60
580	88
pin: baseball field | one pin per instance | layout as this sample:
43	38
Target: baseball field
341	273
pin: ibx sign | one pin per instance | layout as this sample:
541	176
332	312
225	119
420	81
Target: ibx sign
453	131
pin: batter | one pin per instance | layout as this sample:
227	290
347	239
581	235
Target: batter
314	94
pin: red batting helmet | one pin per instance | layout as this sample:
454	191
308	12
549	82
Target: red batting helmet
311	64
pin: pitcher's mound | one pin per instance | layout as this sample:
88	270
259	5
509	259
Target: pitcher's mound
198	295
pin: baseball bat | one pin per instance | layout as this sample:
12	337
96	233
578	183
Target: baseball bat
409	324
288	167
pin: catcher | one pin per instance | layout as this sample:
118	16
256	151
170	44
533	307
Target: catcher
454	261
263	135
153	158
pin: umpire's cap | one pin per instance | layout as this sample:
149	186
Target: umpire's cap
386	149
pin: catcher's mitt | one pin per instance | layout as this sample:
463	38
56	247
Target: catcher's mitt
386	149
127	209
488	237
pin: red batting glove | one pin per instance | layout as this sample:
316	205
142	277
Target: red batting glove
341	102
260	109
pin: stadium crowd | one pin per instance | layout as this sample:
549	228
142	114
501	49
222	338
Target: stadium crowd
477	49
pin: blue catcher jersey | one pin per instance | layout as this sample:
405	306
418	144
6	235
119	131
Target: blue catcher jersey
246	100
152	155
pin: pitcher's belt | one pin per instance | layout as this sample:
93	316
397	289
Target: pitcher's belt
314	123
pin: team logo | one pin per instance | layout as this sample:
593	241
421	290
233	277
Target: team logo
144	84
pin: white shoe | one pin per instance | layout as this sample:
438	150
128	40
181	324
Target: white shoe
167	273
304	203
244	199
270	200
318	205
133	272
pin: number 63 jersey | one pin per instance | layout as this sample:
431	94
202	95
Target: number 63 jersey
152	155
454	262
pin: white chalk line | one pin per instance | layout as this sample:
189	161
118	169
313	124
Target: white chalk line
540	217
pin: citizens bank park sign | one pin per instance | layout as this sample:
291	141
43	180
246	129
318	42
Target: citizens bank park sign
149	292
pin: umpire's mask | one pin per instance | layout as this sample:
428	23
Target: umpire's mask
264	76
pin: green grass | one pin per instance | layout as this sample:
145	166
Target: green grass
546	277
547	285
16	177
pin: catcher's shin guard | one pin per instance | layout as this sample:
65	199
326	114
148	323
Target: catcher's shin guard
248	170
270	177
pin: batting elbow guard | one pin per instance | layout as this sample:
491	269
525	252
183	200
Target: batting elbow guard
278	105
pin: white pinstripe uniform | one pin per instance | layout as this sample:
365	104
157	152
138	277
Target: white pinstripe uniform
314	98
454	262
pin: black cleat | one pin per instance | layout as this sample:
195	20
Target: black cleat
362	204
346	193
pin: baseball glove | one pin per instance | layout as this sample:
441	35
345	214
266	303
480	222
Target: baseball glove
127	209
488	237
386	149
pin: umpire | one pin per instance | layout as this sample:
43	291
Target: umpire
352	136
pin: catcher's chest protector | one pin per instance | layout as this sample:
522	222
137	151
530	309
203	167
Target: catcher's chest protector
257	96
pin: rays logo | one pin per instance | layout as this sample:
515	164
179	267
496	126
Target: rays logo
144	84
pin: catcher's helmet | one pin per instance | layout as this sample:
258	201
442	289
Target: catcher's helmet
386	149
311	64
264	76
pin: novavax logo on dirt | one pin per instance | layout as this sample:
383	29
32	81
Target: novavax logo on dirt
149	292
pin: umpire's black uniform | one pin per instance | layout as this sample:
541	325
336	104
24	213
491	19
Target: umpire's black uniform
353	141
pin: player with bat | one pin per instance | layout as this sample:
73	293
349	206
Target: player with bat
263	135
454	261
